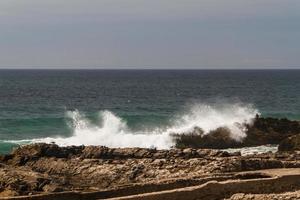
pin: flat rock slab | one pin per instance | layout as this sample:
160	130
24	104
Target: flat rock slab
281	172
249	182
272	181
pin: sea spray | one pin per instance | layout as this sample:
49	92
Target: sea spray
210	117
113	131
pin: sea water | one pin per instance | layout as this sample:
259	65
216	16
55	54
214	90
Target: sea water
137	108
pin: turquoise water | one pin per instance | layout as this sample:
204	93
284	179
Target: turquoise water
37	104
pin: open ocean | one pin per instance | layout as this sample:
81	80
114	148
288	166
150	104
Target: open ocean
120	108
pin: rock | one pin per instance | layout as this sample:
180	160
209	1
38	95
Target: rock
8	193
189	152
237	153
5	158
290	144
258	163
94	152
159	162
22	155
26	153
142	153
123	153
159	154
54	169
217	139
41	182
135	171
202	153
261	132
52	188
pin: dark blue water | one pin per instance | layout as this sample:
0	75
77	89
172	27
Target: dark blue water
33	103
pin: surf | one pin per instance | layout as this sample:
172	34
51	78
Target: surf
112	131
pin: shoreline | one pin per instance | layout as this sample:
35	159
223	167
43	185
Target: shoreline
261	131
270	154
39	170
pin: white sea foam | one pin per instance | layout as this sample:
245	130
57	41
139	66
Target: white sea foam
254	150
112	131
210	117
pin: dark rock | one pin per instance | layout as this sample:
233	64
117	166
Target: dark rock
23	154
270	131
123	153
257	163
217	139
5	158
41	182
141	153
94	152
290	144
135	171
263	131
159	154
47	150
238	153
189	152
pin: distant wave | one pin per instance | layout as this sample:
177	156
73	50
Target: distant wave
113	131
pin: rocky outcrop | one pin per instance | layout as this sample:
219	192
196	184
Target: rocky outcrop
263	131
270	131
34	152
290	144
217	139
39	168
48	168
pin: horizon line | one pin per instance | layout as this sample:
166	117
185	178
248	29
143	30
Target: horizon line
145	68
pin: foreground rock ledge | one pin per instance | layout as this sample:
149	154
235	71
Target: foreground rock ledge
47	171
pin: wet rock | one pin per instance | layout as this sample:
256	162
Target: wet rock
238	153
290	144
94	152
123	153
263	131
34	152
26	153
142	153
258	163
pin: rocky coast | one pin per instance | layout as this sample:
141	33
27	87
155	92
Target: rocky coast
261	132
47	171
94	172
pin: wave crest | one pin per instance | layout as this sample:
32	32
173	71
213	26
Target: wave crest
113	131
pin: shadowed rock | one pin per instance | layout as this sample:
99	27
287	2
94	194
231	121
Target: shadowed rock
290	144
263	131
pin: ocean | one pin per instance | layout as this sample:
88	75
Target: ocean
129	108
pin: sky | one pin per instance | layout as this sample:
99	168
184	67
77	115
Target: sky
159	34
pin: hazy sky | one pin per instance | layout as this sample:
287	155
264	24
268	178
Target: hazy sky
150	33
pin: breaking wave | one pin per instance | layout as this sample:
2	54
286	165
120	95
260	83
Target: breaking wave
113	131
